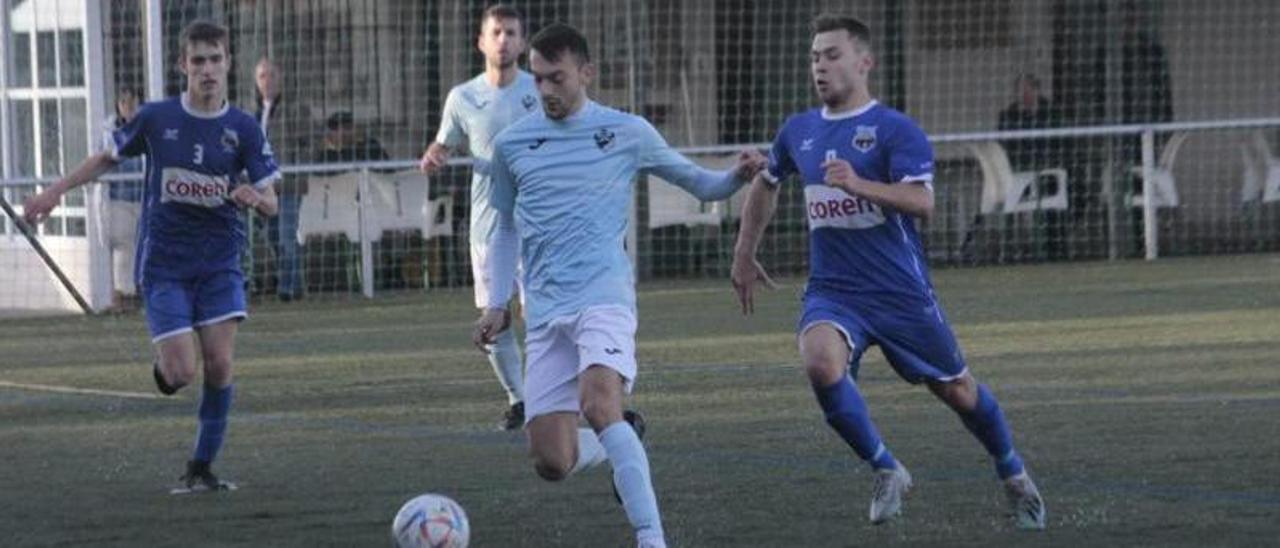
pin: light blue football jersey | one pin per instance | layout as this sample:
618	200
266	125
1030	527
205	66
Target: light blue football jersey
474	113
568	184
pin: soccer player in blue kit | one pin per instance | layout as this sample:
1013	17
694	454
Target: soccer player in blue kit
562	187
190	232
867	170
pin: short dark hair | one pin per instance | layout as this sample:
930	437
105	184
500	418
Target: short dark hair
857	29
340	120
1027	78
557	38
502	11
208	32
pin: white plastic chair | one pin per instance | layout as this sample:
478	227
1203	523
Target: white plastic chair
1006	190
670	205
1166	189
1026	191
397	201
1261	171
330	207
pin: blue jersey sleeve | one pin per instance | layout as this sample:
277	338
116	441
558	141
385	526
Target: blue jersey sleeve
131	139
257	158
502	182
781	165
910	155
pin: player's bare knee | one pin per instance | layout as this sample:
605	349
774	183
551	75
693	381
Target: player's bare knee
552	467
217	369
825	354
823	364
601	412
177	371
960	394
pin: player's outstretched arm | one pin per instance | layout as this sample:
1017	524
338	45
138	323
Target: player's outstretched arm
37	208
708	185
757	211
914	199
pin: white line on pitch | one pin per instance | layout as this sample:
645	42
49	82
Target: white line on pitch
74	390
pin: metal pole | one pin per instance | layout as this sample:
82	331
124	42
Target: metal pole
1109	202
100	275
155	51
6	162
633	229
29	232
1150	232
366	244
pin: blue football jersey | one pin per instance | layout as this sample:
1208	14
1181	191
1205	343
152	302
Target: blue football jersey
856	247
189	222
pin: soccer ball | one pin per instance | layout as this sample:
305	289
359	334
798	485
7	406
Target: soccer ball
431	521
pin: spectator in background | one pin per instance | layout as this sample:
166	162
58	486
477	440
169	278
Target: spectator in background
1146	94
1031	110
282	121
124	205
344	143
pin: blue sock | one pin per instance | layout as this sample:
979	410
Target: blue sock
847	413
987	423
631	477
215	403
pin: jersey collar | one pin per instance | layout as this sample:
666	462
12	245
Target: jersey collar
186	105
826	115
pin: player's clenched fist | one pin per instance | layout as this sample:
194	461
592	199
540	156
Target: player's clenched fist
433	159
838	173
250	197
750	162
491	322
36	208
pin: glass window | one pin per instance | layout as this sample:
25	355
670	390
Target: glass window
76	226
52	227
75	133
20	68
74	197
46	59
50	150
24	138
72	44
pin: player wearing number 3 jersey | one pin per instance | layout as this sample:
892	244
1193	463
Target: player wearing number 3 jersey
190	231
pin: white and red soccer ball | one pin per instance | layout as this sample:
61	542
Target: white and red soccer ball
431	521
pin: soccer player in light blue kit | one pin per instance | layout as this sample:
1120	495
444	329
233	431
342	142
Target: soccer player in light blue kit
867	170
474	113
190	232
562	187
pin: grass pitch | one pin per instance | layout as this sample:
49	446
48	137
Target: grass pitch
1144	396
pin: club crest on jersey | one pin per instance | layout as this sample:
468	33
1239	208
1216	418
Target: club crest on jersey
864	138
528	102
230	140
604	139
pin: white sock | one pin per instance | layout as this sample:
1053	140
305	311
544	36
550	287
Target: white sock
590	452
504	356
631	476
